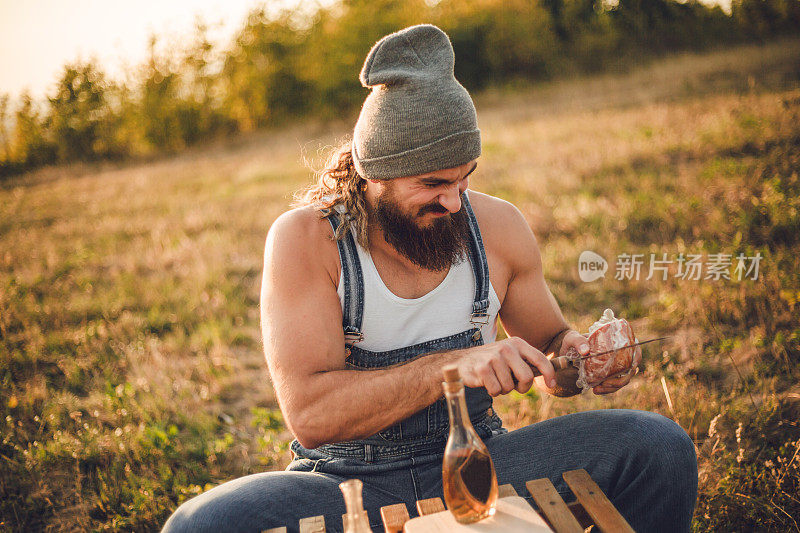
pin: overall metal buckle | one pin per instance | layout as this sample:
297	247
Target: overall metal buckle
479	317
353	337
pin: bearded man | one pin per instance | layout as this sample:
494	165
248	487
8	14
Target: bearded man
392	269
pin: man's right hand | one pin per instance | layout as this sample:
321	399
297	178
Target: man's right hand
504	366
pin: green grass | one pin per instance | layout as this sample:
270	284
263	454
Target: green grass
130	356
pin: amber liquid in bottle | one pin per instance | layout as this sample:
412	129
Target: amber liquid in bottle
468	477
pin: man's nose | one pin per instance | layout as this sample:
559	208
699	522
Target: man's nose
451	199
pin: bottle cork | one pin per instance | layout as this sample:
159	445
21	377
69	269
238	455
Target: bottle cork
451	373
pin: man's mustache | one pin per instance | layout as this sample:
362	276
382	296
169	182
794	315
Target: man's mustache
432	208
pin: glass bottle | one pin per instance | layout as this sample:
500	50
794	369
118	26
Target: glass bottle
355	520
468	476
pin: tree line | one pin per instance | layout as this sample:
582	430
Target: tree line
304	62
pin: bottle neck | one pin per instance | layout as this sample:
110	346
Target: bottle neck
356	518
457	406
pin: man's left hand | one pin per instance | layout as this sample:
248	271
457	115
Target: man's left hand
573	339
614	383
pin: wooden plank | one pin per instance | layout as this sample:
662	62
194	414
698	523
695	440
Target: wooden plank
513	515
275	530
597	504
394	517
429	506
580	514
503	491
312	524
552	506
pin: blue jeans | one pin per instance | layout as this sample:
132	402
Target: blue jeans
644	462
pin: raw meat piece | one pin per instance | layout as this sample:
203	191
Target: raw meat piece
606	334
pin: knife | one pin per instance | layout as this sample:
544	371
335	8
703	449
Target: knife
562	362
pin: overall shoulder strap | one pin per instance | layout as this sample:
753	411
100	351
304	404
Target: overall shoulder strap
480	268
353	308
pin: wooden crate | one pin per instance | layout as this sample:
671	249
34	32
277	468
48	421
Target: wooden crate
591	510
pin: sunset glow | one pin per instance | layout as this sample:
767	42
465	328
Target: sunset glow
38	38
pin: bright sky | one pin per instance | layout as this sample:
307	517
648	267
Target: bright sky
38	37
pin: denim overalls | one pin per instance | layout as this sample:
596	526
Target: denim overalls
423	435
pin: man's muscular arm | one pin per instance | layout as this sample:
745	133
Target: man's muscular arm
301	317
529	310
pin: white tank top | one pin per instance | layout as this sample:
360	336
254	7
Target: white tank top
391	322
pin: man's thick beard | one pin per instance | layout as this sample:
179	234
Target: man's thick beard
435	248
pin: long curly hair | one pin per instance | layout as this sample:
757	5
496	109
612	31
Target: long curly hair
339	183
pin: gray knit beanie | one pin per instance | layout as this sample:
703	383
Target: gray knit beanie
417	118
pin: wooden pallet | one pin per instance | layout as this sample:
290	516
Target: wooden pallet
592	508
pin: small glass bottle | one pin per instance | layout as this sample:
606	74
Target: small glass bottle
356	518
468	477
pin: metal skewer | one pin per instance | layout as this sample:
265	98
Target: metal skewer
562	362
616	349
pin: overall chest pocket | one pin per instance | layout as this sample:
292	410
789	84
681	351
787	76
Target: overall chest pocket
423	423
434	419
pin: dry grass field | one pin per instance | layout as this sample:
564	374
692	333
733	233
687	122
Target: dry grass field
130	354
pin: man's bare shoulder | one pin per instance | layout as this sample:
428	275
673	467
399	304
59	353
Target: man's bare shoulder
301	222
301	235
500	221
